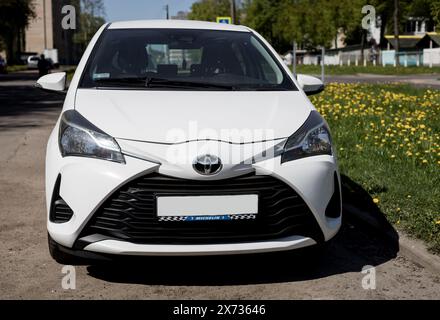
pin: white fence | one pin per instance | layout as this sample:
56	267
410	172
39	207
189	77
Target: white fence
332	59
427	57
340	58
310	59
431	57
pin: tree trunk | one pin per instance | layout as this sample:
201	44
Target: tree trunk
362	45
233	12
11	47
396	31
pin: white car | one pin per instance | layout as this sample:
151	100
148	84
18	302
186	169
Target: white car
187	138
32	62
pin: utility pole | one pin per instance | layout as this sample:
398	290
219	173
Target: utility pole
363	45
294	59
233	12
396	31
167	48
44	24
322	64
167	9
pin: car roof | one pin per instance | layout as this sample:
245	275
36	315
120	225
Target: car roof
176	24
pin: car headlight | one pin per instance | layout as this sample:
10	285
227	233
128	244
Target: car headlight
79	137
313	138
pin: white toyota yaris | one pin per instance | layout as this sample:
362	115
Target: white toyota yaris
186	138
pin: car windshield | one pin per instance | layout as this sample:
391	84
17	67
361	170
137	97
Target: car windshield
177	59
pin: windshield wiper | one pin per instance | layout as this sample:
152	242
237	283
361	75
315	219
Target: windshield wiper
122	81
162	83
170	83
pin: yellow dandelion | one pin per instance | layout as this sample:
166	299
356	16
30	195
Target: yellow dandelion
376	200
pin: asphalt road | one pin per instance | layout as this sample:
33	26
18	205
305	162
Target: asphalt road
27	116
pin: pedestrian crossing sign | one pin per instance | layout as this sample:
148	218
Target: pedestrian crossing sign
226	20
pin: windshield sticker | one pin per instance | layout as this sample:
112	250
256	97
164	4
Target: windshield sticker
101	76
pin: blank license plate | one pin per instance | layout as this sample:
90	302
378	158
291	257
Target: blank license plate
193	208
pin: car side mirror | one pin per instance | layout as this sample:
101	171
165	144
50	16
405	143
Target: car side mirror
53	82
310	85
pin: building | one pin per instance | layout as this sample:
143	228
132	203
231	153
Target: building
181	15
46	35
419	44
418	25
39	33
416	28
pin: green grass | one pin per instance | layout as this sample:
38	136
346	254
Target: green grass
387	139
16	68
370	69
70	72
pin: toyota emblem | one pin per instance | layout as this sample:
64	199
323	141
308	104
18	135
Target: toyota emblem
207	164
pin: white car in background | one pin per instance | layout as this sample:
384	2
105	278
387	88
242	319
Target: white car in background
32	62
187	138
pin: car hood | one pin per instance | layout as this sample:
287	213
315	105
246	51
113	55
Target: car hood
180	116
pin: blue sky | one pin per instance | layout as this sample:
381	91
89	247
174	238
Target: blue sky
143	9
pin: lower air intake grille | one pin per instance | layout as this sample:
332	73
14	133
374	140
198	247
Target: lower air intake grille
61	212
130	213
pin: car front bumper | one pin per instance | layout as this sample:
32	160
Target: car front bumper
87	183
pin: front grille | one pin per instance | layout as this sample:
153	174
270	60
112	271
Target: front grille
130	213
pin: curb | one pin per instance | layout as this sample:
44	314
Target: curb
414	250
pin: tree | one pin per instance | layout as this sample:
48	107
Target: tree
435	12
91	18
311	23
290	25
261	15
14	18
315	23
396	30
346	15
209	10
